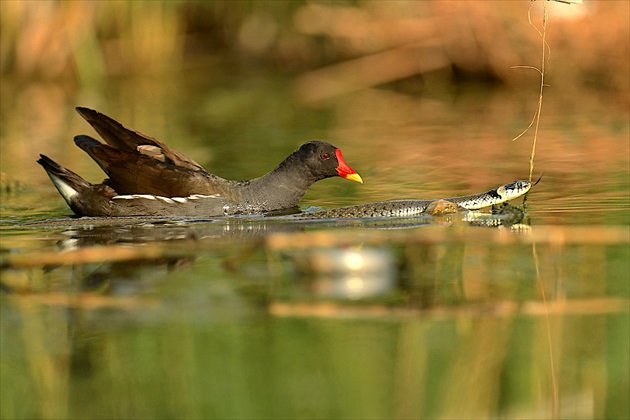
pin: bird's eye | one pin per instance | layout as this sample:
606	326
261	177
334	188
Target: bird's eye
325	156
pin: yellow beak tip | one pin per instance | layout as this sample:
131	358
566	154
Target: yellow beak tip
355	177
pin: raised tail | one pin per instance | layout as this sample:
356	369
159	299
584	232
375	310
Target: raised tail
67	182
74	189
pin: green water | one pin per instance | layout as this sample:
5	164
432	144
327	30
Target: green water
267	319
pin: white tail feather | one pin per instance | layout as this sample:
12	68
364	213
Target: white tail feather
66	191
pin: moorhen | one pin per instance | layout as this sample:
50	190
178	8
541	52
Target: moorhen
148	178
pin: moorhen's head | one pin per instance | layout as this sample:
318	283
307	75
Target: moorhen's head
324	161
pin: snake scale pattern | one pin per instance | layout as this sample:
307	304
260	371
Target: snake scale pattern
410	208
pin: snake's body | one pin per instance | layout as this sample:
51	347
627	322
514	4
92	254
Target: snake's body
410	208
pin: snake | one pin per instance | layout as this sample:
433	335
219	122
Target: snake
411	208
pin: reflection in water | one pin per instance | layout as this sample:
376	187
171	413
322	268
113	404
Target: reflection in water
118	244
353	274
85	360
86	231
432	324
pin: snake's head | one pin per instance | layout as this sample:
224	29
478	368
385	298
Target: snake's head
514	189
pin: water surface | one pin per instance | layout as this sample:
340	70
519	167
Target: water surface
259	318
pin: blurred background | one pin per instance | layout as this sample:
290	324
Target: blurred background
410	45
422	99
403	88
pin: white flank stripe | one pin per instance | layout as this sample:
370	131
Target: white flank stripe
170	200
132	196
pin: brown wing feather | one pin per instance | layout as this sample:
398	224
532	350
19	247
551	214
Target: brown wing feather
120	137
131	172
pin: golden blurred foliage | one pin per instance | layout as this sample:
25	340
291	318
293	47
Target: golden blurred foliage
340	46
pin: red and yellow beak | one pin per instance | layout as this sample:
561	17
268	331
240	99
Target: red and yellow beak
346	171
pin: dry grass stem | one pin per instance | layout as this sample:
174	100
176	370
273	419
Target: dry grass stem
542	86
536	119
